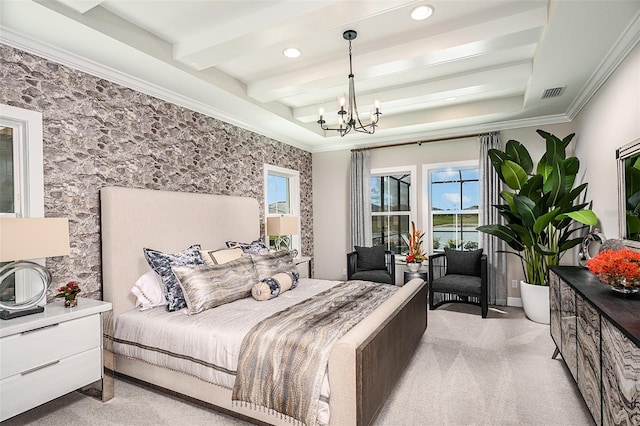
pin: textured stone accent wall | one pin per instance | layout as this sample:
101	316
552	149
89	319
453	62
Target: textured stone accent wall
98	133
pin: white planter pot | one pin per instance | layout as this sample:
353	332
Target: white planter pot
535	302
414	267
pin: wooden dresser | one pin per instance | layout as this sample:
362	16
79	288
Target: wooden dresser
598	334
46	355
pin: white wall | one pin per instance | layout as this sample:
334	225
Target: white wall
330	213
610	119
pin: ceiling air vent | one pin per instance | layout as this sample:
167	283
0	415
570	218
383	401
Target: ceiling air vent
552	93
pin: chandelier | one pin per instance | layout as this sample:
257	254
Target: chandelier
349	119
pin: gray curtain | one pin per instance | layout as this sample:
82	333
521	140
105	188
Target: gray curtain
490	186
360	198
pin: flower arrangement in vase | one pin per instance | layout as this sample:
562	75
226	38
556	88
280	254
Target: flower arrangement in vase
618	268
416	255
69	292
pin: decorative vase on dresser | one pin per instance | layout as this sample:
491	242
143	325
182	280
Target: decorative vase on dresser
50	354
598	334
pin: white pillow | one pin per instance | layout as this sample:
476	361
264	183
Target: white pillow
149	290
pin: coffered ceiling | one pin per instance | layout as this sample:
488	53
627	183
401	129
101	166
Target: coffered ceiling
473	66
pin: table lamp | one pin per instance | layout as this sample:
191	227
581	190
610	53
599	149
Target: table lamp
22	239
283	227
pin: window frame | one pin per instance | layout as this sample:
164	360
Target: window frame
413	192
294	201
29	191
427	169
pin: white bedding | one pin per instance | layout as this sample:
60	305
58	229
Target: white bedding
207	345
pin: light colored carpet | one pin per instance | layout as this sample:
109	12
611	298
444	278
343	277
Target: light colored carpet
466	371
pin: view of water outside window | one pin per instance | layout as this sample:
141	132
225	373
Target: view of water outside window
454	208
391	210
278	194
278	198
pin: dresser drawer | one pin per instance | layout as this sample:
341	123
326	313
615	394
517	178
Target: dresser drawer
24	351
24	391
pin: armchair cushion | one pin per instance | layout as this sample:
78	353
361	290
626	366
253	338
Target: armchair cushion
463	262
371	258
377	275
459	284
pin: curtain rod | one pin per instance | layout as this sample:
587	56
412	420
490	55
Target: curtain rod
393	145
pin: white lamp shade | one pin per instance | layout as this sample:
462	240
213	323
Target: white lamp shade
33	238
282	225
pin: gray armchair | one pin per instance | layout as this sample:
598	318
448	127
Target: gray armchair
458	277
371	264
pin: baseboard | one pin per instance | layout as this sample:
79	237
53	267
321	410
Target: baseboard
514	301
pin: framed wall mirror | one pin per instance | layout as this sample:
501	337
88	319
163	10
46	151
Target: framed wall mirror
628	158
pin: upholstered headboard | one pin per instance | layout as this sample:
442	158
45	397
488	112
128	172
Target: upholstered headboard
133	219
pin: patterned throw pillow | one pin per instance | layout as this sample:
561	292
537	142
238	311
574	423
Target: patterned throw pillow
267	265
255	247
274	286
207	286
162	263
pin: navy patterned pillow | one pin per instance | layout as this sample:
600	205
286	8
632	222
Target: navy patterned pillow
162	263
255	247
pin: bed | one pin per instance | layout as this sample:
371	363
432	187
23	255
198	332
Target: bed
363	365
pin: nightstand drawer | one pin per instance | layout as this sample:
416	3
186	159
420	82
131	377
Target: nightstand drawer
24	351
22	392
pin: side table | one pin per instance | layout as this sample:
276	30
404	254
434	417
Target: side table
408	275
49	354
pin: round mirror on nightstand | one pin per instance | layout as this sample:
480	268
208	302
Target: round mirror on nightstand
23	285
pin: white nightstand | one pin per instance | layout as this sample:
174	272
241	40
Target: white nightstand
46	355
304	266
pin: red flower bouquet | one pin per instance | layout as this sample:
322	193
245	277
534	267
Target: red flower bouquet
618	268
69	292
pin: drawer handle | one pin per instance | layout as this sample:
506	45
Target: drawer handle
40	367
39	329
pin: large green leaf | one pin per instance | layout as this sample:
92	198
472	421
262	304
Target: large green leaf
544	220
588	217
570	196
519	154
514	175
567	140
523	234
526	208
504	233
633	224
532	188
498	157
555	185
570	244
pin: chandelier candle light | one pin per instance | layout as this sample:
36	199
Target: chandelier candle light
349	118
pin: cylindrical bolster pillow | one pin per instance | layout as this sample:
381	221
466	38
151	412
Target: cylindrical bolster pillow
269	288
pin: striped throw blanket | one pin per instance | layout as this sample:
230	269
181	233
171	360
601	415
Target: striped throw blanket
283	359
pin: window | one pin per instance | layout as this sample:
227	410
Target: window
392	198
282	197
453	201
21	163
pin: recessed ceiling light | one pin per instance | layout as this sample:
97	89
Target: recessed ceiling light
291	52
422	12
449	99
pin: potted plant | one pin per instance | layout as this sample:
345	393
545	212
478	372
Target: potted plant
416	256
541	212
